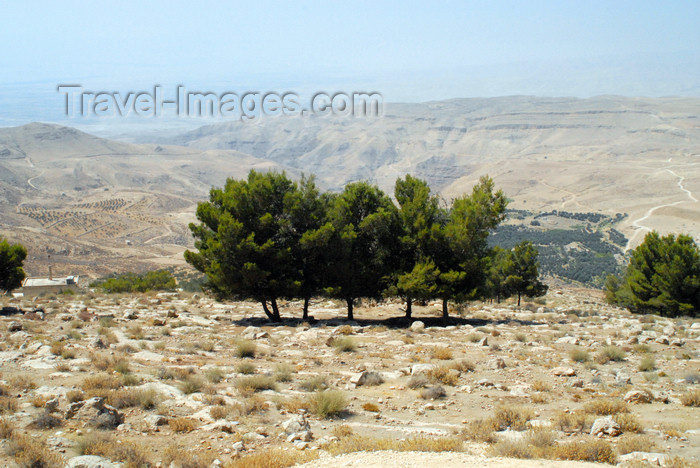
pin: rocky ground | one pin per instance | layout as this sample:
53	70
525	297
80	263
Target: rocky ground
175	379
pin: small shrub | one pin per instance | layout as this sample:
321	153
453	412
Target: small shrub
245	349
271	458
610	353
186	458
634	443
191	384
521	337
443	375
255	383
344	344
462	366
692	378
540	386
511	416
628	422
593	450
100	382
75	395
46	421
283	372
31	452
245	368
345	330
220	412
474	337
313	384
182	424
214	375
418	381
342	431
648	364
371	407
441	352
481	430
691	398
579	355
328	403
512	449
433	393
8	405
605	407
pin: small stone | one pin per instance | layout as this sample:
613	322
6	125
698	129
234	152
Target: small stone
14	327
564	371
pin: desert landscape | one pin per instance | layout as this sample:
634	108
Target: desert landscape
176	379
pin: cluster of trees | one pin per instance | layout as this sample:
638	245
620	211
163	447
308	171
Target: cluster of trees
662	277
268	238
158	280
11	259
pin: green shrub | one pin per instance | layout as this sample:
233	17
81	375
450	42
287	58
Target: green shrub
158	280
328	403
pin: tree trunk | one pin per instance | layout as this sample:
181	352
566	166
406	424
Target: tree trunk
445	314
267	311
275	311
306	308
518	299
350	301
409	310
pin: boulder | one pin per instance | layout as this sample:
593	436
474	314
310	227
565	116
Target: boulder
417	326
605	426
639	396
418	368
295	424
14	327
95	413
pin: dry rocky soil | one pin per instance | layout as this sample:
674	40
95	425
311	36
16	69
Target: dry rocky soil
180	380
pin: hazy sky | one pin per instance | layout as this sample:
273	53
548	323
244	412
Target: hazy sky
409	51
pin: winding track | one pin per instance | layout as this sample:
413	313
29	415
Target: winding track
644	229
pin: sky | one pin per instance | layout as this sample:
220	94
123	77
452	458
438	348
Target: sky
408	51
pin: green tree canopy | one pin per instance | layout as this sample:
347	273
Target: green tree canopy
12	257
364	247
415	274
521	272
459	246
662	277
245	239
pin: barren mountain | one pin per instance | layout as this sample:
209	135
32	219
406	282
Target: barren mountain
609	154
97	205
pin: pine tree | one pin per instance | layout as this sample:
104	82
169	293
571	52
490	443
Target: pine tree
245	238
12	257
663	277
364	247
521	269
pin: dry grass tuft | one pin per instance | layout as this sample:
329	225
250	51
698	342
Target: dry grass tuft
328	403
273	458
255	383
245	349
606	406
691	398
182	424
634	443
610	353
512	416
442	353
344	344
358	443
629	423
592	450
443	375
